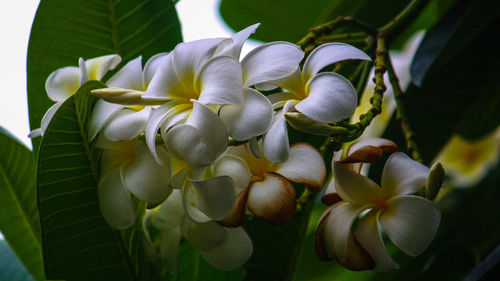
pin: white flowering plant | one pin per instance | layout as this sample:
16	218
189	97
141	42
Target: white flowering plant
170	160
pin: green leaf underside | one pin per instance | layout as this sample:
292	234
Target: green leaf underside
19	220
78	244
10	266
64	30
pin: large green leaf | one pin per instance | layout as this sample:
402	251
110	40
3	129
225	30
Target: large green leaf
64	30
78	244
11	269
19	220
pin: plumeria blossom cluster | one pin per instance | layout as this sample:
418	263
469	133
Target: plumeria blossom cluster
192	135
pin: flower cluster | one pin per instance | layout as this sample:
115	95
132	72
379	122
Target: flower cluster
169	131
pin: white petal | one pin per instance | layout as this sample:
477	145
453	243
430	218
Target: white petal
237	216
368	234
145	178
411	222
101	114
189	205
152	65
186	141
98	67
353	187
114	201
330	53
219	81
84	74
48	116
63	83
233	253
304	165
338	229
212	131
253	118
270	62
215	197
166	85
156	118
255	147
170	213
275	143
331	98
129	76
330	196
169	247
126	124
273	199
203	236
402	175
292	83
233	46
234	167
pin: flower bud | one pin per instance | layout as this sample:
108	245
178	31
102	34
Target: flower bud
121	96
305	124
434	181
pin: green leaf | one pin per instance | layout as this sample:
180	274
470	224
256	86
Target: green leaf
10	267
78	244
19	220
461	95
65	30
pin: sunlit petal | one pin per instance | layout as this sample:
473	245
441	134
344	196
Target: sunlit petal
152	65
233	253
98	67
233	47
63	83
219	81
129	76
126	124
275	143
48	116
101	114
411	222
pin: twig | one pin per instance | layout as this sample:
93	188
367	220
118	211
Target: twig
398	23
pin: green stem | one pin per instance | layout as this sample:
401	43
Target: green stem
401	113
398	23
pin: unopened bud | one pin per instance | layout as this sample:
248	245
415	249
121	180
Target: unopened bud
305	124
434	181
119	95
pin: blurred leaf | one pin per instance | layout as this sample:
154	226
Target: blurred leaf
192	267
78	244
19	221
11	269
64	30
449	99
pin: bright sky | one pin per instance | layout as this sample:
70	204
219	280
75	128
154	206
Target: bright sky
200	19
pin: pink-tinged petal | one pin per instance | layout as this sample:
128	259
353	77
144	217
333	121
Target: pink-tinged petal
272	199
353	187
98	67
319	241
233	47
368	234
234	167
156	119
170	213
304	165
219	81
101	114
152	65
233	253
403	175
330	53
169	247
215	197
114	201
63	83
145	178
331	196
129	76
340	239
275	143
251	119
369	150
212	131
331	98
203	236
126	124
237	216
270	62
411	222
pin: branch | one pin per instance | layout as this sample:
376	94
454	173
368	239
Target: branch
398	23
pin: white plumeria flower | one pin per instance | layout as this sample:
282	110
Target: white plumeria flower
64	82
127	167
124	122
410	221
323	97
264	187
223	248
